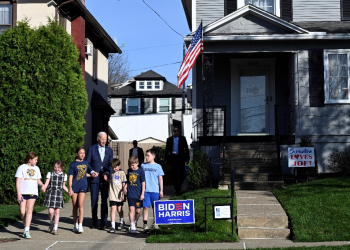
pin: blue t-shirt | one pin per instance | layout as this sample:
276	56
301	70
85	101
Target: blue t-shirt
134	181
152	172
79	169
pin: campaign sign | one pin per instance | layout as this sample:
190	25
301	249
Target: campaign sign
301	157
174	212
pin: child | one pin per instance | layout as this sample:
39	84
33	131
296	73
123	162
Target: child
117	181
27	180
78	185
55	181
135	189
154	188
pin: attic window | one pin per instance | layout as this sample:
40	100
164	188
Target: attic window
142	85
156	85
149	85
272	6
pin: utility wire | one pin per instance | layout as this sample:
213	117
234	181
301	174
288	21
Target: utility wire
154	46
162	18
156	66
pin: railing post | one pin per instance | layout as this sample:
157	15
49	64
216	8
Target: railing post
278	143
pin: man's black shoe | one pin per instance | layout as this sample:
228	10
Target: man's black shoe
94	227
102	227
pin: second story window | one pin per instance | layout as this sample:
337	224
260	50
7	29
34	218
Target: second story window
142	85
156	85
5	17
133	106
149	85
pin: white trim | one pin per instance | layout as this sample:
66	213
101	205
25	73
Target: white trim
240	4
259	63
326	76
127	107
158	102
194	15
194	101
161	85
251	9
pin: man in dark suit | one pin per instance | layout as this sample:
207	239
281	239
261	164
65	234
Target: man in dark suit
177	155
99	157
137	152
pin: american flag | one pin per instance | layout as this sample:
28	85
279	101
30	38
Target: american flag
195	48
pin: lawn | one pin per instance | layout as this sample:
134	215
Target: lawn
217	231
318	210
10	214
344	247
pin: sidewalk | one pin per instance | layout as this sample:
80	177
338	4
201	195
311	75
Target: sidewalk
101	239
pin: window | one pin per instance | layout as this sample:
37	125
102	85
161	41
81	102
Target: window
149	85
142	85
156	85
272	6
133	106
94	64
336	76
164	105
5	17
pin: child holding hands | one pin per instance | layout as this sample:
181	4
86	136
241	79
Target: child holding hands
117	180
55	183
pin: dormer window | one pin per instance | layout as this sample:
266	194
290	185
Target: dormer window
272	6
149	85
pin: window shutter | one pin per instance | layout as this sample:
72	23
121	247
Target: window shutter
287	10
142	105
154	105
123	106
173	105
139	104
345	10
316	71
230	6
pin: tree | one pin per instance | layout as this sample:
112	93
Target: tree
118	70
43	100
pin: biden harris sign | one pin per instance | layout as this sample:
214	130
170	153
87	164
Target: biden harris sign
174	212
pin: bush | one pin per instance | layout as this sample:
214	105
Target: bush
199	170
43	100
311	171
339	161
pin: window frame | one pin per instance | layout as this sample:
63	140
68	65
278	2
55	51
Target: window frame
326	76
158	105
153	85
240	3
10	25
95	65
127	106
139	85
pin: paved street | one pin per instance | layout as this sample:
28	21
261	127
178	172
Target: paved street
101	239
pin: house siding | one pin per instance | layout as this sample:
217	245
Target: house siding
315	10
209	11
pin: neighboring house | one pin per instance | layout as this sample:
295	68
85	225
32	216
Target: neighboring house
279	70
141	101
93	43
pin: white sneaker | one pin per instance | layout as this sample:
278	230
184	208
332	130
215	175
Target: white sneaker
132	230
75	230
80	229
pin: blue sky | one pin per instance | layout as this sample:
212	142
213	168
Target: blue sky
137	26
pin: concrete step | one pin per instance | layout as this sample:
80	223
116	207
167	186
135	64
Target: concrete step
263	233
249	161
254	177
252	185
270	221
254	146
241	169
251	154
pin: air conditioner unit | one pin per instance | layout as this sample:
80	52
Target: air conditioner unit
88	50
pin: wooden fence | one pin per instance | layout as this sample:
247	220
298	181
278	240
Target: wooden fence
121	150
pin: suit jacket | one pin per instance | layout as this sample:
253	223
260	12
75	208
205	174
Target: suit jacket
140	154
94	159
184	154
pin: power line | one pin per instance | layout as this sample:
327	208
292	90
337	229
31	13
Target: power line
154	46
156	66
162	18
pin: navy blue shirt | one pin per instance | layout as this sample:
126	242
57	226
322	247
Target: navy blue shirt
134	181
79	169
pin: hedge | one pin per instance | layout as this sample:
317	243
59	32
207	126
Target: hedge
43	100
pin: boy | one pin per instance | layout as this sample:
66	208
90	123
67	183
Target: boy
135	189
154	189
117	180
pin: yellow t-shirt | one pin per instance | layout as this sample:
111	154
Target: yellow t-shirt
116	181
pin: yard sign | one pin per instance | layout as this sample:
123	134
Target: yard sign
301	157
174	212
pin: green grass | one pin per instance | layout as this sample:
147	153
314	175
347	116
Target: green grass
10	214
217	231
318	210
344	247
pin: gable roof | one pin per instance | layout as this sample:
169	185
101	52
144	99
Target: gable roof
129	89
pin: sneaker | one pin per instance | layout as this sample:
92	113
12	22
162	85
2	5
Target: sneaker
75	230
50	228
26	235
121	225
145	228
155	226
80	230
132	230
112	230
54	232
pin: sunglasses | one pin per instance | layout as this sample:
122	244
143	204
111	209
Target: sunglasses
176	130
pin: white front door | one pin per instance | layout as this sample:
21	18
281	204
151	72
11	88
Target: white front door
252	97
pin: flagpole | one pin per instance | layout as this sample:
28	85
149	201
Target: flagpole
183	85
202	53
